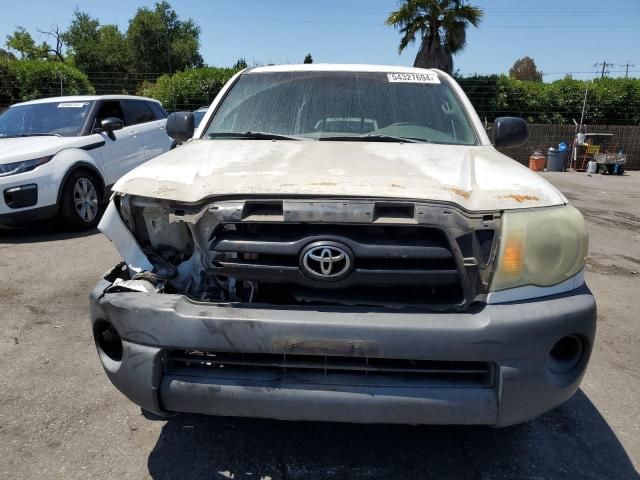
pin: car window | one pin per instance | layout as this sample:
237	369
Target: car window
326	105
158	111
64	118
198	115
137	111
109	108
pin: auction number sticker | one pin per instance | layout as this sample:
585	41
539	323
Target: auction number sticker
72	104
413	78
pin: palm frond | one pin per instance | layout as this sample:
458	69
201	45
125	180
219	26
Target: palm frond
445	21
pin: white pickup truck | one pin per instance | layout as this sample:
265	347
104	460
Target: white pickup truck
344	243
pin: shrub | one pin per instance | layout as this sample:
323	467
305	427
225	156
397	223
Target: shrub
614	101
189	89
9	91
31	79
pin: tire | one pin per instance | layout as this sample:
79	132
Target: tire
81	201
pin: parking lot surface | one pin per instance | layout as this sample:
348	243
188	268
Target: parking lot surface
61	418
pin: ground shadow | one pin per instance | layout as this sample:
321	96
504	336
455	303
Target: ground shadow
573	441
39	232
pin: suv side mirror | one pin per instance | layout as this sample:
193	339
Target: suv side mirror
110	124
180	126
509	131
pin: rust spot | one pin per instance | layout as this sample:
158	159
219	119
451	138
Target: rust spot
522	198
458	191
395	185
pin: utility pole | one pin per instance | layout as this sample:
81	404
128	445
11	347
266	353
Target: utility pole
626	71
604	66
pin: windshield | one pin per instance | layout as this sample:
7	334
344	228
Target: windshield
343	106
55	118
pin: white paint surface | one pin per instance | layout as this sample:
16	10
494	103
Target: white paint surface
477	178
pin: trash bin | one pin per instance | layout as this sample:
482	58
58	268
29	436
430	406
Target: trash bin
537	161
556	160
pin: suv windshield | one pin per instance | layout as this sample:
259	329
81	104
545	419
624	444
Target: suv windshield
369	106
55	118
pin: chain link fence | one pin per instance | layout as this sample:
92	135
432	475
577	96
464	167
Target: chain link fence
192	89
542	137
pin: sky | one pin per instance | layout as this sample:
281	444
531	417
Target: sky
563	36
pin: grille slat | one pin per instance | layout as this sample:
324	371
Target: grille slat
416	263
460	373
361	250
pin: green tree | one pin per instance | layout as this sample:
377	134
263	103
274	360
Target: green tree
308	58
241	64
100	51
22	42
440	25
6	55
160	42
525	69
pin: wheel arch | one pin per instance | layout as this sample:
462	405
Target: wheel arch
82	165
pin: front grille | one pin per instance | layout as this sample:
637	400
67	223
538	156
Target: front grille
294	367
408	264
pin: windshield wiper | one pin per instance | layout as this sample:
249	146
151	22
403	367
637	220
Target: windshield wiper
252	136
31	135
372	138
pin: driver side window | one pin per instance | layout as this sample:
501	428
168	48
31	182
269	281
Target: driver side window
107	109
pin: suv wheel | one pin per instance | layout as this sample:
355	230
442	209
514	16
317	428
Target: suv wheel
81	195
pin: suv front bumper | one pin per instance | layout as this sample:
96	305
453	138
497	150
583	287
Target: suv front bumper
516	338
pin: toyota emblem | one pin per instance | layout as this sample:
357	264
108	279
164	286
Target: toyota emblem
327	261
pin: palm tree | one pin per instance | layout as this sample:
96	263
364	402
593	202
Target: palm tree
441	26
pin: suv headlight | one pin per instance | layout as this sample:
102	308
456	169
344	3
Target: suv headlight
541	247
23	166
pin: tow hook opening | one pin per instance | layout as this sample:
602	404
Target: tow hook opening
108	340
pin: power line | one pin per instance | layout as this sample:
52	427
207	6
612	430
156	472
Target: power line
604	66
493	11
627	65
497	26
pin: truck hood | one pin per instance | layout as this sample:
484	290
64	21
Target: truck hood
478	178
28	148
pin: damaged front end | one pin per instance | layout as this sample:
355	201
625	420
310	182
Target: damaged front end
335	252
348	310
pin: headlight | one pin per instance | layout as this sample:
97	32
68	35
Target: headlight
24	166
541	247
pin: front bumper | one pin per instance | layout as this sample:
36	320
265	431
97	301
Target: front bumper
43	204
515	337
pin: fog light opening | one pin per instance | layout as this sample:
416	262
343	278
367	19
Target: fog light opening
566	354
108	340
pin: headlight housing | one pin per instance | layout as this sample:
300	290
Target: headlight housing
541	247
24	166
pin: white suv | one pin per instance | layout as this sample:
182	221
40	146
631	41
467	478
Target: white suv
59	156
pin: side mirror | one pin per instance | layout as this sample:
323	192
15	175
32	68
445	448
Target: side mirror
180	126
509	131
110	124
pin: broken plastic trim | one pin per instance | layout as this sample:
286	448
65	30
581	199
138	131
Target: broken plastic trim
116	231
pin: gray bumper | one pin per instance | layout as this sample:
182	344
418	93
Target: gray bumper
516	338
